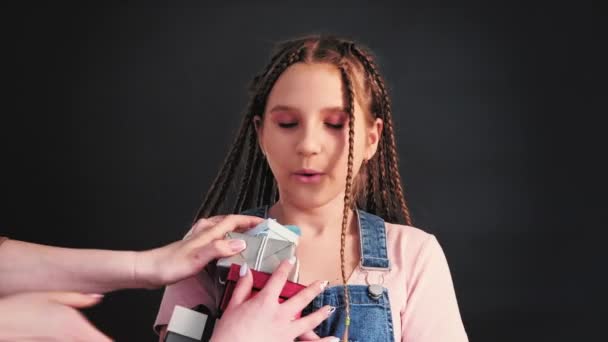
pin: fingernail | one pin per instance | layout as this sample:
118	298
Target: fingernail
95	295
324	285
292	260
331	310
244	269
237	245
334	339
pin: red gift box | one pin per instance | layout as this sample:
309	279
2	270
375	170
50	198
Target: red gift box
259	281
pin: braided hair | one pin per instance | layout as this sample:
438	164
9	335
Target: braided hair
376	189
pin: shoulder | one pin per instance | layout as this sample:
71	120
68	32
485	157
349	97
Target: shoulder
402	241
414	237
401	231
409	245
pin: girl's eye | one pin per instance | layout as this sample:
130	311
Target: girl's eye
287	124
334	125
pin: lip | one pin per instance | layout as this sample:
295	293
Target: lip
308	176
308	172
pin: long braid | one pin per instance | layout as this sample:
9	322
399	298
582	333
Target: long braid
213	198
364	200
259	103
395	178
248	170
385	107
347	193
269	188
371	188
249	197
226	183
274	69
381	192
228	166
262	179
388	204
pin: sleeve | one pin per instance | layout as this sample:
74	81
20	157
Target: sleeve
202	288
2	239
431	313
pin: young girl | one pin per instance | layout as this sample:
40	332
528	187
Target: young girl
317	149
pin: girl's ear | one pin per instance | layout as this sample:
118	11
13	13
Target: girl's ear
373	138
257	123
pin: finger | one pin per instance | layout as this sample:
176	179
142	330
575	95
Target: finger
275	284
308	336
233	222
218	249
242	290
73	299
301	299
217	218
206	223
87	332
311	321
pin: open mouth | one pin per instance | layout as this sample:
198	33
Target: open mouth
308	176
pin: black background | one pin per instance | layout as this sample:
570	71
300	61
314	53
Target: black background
115	119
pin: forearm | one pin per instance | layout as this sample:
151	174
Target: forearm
32	267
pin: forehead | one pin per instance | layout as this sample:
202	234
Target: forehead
308	86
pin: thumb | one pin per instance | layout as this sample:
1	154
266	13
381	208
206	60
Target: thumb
74	299
219	249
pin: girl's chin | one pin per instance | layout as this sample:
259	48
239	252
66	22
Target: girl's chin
309	198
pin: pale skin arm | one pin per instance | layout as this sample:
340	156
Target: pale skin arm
54	316
33	267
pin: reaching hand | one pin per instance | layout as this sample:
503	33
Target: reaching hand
48	316
263	318
182	259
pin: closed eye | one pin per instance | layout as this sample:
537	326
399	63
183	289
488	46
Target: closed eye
287	124
335	126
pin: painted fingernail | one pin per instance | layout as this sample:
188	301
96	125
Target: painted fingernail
244	269
237	245
331	310
292	260
95	295
324	285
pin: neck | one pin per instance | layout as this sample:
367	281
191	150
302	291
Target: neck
314	221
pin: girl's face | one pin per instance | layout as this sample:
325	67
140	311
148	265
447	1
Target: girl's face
304	134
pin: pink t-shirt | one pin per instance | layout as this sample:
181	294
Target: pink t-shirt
421	293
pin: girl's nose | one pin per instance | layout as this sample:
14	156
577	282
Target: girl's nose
309	143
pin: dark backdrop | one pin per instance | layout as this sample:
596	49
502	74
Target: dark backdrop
115	119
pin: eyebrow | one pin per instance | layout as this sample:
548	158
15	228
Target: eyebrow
284	108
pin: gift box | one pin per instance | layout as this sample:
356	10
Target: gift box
259	281
263	254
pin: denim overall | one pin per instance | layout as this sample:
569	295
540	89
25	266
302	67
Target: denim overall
370	311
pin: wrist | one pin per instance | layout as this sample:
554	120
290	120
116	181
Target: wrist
145	274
